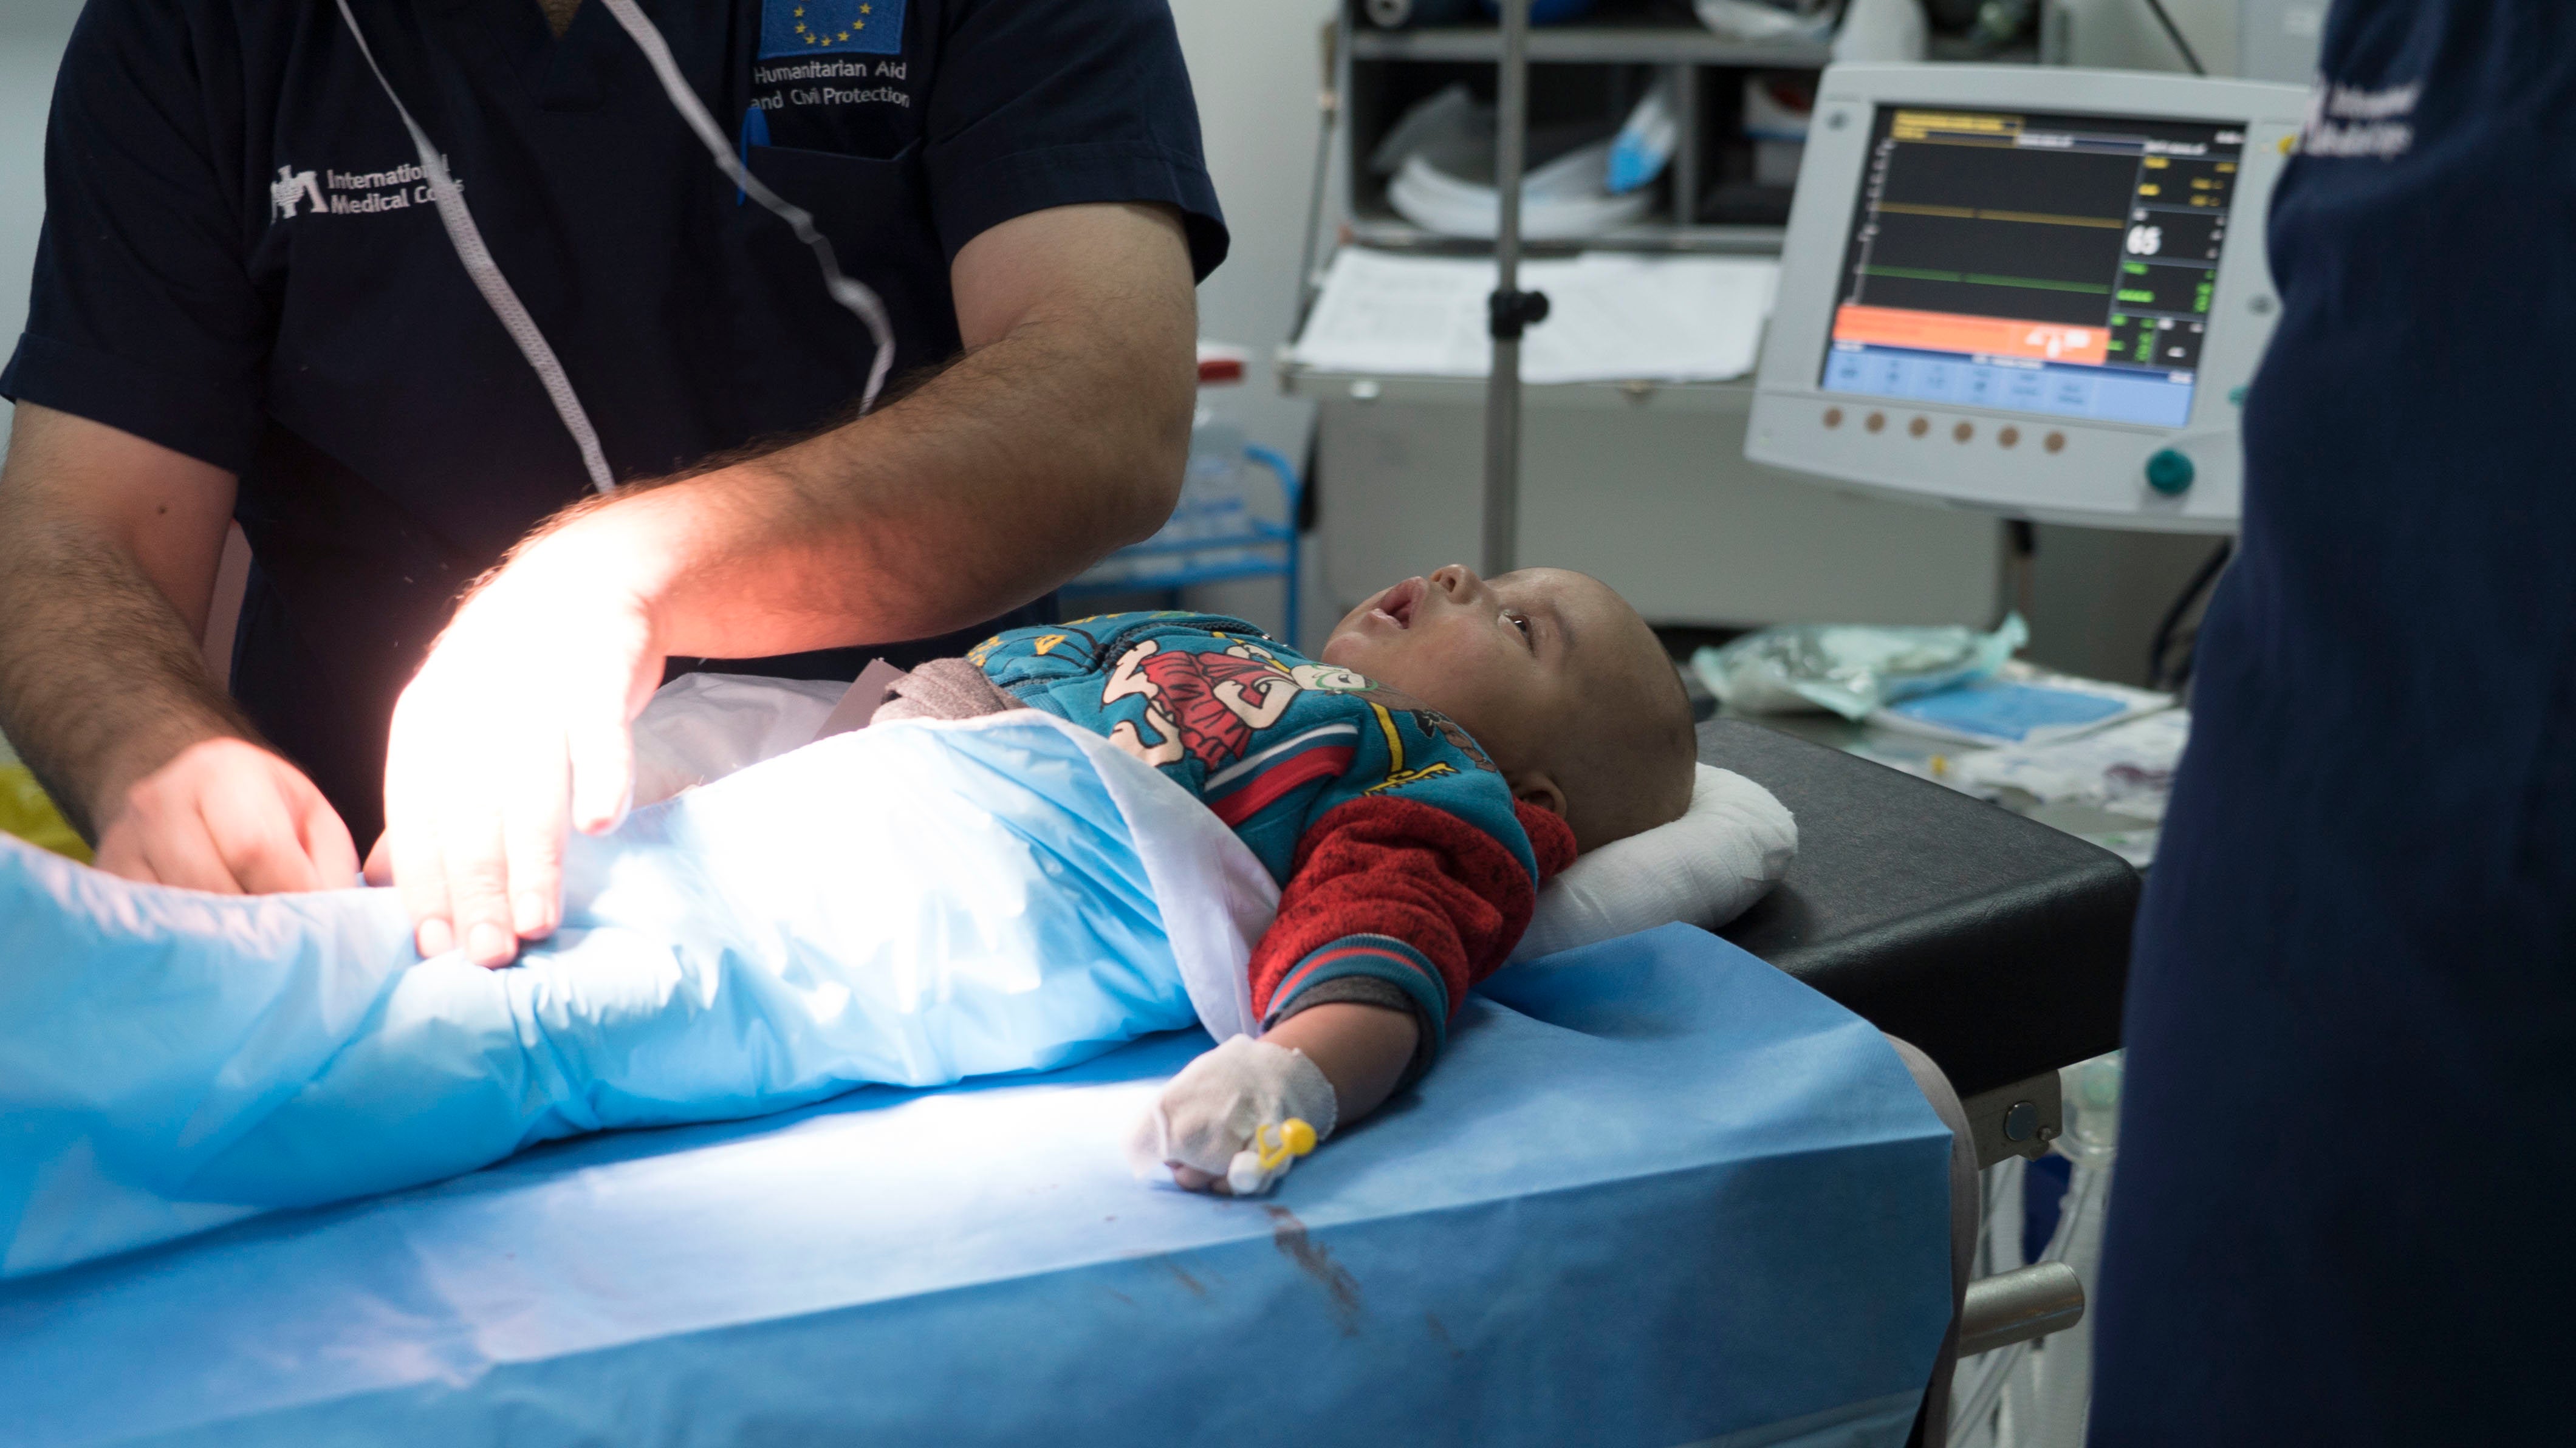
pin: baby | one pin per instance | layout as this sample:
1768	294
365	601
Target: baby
1461	740
907	905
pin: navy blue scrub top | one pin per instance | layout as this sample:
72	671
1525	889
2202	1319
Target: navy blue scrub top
2347	1175
241	262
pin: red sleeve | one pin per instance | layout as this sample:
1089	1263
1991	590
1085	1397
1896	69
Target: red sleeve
1551	839
1404	871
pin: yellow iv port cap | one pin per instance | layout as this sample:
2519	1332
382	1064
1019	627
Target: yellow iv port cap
1274	1146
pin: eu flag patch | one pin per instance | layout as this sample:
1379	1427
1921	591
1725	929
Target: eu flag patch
814	27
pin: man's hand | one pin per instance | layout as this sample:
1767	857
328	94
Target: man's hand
513	732
108	550
228	816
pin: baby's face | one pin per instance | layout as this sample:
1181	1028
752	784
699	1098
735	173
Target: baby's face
1512	659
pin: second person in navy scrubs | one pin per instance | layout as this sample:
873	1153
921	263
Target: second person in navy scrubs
2341	1214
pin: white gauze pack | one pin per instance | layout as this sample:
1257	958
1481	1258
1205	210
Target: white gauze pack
698	728
1704	869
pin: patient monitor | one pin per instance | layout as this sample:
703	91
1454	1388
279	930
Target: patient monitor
2026	289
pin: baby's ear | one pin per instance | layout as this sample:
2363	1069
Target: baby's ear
1538	788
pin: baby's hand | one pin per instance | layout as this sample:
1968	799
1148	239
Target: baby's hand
1230	1122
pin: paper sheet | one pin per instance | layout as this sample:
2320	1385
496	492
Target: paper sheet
1611	317
974	1268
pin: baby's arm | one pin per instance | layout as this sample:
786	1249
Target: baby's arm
1394	909
1362	1051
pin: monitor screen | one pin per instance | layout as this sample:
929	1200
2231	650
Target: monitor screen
2041	263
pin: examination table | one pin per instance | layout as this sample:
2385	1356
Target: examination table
1998	945
1544	1244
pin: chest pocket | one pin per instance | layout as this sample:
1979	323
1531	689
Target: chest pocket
876	214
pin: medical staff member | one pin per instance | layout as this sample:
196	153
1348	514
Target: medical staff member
246	306
2348	1166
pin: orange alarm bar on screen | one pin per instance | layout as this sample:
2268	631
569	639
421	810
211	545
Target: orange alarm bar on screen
1983	336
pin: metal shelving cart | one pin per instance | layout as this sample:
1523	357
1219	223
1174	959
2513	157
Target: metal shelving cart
1708	203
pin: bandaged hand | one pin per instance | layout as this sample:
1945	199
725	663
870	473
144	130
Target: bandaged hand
1229	1118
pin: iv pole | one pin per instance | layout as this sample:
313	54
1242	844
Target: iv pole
1509	311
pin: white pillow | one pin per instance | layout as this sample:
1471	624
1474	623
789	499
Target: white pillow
1704	869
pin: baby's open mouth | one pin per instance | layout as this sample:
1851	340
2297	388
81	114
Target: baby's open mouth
1398	604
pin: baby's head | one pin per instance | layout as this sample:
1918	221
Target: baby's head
1554	674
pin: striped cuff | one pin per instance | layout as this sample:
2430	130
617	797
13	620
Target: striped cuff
1368	990
1378	957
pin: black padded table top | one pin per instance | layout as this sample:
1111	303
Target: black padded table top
1998	945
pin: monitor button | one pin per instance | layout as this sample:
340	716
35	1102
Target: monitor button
2170	472
1876	422
2009	437
1919	426
1964	431
1833	417
2054	442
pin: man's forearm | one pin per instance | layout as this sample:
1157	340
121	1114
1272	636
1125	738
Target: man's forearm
1061	433
108	547
100	680
993	482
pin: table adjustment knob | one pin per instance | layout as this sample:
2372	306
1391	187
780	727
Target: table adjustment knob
2170	472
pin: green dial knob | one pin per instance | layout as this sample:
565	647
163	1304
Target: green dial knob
2170	472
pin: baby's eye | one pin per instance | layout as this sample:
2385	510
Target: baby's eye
1518	620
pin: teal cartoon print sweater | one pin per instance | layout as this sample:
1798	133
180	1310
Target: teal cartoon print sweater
1407	871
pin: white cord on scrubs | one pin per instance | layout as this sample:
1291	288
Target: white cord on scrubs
468	240
852	295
